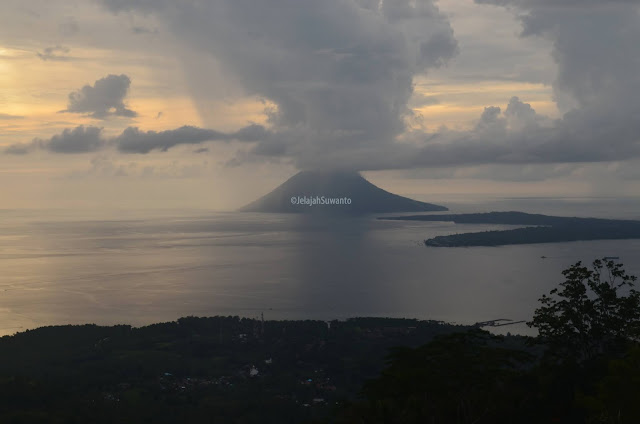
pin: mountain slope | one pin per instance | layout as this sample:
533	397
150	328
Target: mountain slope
353	194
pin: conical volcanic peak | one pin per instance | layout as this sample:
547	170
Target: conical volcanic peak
341	192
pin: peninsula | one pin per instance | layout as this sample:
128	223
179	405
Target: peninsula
537	229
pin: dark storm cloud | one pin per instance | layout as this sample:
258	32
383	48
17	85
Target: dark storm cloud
105	98
517	135
341	74
340	71
55	53
596	86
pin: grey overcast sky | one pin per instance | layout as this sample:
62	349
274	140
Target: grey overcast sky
208	104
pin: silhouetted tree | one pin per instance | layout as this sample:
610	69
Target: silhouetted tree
589	315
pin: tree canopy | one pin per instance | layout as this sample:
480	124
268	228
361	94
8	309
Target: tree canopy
593	312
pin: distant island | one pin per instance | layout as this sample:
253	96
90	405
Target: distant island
539	229
335	192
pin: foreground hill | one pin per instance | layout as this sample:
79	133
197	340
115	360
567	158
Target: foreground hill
539	229
338	192
197	370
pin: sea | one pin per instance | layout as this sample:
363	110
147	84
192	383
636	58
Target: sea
140	267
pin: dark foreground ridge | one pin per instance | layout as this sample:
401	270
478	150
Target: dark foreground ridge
364	197
540	229
197	370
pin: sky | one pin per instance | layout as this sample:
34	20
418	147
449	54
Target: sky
209	104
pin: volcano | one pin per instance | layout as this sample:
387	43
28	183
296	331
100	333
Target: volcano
340	192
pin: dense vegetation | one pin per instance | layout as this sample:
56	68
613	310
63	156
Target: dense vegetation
584	367
219	369
542	229
589	371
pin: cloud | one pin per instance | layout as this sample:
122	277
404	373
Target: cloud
105	98
517	135
55	53
490	118
80	139
83	139
132	140
583	33
596	88
340	72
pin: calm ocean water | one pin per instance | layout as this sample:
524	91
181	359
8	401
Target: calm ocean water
140	267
